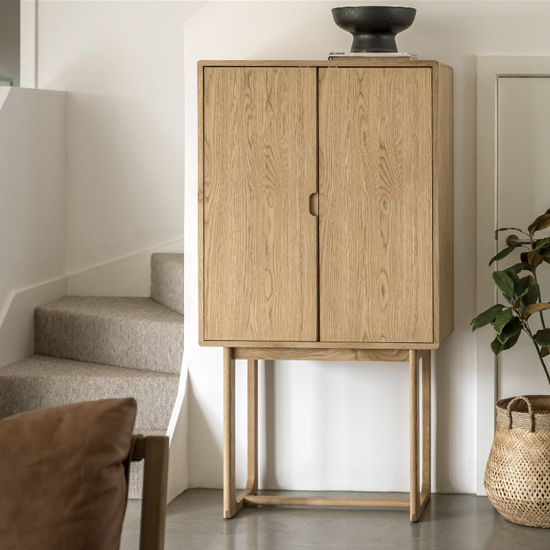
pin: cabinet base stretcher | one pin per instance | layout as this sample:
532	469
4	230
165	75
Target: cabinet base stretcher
420	487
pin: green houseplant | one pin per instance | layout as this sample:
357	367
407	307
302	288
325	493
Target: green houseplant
520	289
518	469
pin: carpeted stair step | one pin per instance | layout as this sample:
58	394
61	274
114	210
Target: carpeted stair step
39	381
137	333
167	280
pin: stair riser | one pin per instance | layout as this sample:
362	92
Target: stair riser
26	394
167	280
137	344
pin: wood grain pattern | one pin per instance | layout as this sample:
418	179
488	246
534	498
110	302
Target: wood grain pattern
268	500
336	354
375	206
443	203
413	418
426	423
229	498
260	168
319	345
200	195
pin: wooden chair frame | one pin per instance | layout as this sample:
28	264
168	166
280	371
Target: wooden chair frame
420	489
154	451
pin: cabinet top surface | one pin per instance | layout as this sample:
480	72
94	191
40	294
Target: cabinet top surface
340	62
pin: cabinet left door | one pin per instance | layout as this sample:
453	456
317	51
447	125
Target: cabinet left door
259	239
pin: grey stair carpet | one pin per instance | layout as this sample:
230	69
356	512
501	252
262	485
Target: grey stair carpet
137	333
91	348
167	280
39	381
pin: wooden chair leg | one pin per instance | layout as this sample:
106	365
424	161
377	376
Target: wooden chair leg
229	497
153	505
413	412
252	481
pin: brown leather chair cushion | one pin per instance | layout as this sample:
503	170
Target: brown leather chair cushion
63	478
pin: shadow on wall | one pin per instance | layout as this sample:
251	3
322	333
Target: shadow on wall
206	440
113	190
322	420
442	428
277	449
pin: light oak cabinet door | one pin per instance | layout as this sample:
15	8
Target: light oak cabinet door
375	206
260	264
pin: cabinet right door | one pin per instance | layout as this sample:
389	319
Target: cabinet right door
375	205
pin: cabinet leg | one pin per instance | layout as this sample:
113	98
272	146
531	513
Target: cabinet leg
427	423
252	480
229	497
413	413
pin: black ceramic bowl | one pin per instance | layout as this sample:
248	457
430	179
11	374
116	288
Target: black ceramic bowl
374	27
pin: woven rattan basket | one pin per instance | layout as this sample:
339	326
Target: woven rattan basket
517	478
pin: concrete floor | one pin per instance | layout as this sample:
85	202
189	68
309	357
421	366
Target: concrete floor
450	522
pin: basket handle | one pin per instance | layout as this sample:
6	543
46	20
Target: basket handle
529	408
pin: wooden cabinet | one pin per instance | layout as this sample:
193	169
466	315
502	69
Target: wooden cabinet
325	231
325	196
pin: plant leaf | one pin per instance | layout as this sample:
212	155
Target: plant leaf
534	258
511	342
511	229
513	328
542	338
503	253
532	287
533	308
544	351
517	301
517	268
504	283
518	287
503	318
545	252
498	347
488	316
541	243
542	222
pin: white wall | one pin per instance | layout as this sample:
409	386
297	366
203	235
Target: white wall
9	39
127	276
32	189
344	425
127	66
523	194
122	63
32	206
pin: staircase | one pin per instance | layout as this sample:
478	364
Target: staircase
90	348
